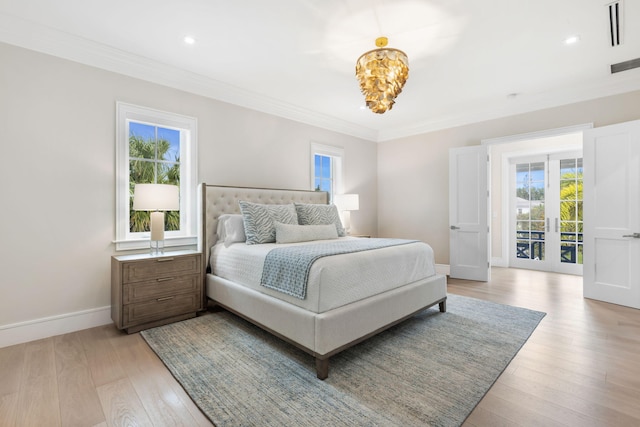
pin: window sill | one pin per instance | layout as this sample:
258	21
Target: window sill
170	242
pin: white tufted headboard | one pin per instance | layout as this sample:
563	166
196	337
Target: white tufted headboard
217	200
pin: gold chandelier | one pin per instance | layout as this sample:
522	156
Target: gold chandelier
382	73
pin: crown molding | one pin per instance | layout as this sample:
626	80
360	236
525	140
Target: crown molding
26	34
609	85
32	36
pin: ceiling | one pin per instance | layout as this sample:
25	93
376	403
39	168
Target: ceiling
469	60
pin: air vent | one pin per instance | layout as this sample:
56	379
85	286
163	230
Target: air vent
615	22
626	65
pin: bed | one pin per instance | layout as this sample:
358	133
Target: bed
348	298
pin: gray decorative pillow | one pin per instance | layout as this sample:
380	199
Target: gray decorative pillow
259	220
309	214
289	233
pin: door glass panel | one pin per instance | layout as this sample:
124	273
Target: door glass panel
571	211
530	211
547	216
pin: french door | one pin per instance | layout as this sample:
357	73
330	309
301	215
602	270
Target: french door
546	224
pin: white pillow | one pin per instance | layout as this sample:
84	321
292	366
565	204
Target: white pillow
231	229
289	233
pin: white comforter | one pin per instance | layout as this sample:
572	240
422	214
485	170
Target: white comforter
335	280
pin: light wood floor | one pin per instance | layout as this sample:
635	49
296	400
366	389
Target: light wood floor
579	368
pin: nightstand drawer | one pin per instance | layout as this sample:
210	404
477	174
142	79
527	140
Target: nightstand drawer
149	290
160	287
160	268
160	308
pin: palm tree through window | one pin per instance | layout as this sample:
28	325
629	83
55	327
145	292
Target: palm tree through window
154	158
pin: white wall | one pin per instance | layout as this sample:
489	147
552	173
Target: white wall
57	223
57	220
413	174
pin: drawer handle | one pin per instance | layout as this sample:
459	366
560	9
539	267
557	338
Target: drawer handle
164	259
164	299
164	279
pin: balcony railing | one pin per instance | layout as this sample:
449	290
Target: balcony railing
530	245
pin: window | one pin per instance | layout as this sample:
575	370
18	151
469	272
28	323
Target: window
323	173
154	147
326	169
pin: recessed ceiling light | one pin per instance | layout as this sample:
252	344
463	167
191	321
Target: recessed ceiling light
572	40
189	40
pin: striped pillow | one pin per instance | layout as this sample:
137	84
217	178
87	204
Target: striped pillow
309	214
259	220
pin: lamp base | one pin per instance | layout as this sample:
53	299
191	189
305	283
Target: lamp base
346	221
157	232
156	247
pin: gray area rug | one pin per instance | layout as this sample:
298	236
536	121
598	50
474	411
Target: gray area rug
430	370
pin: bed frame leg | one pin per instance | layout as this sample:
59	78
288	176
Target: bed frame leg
443	306
322	368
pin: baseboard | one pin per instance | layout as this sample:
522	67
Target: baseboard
18	333
443	269
499	262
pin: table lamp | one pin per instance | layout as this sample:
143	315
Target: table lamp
156	198
347	203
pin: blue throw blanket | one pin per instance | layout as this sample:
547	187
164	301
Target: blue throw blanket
287	269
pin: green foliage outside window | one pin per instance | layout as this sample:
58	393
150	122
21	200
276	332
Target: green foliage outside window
531	223
571	197
148	164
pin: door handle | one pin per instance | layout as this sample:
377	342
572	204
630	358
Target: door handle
634	235
453	227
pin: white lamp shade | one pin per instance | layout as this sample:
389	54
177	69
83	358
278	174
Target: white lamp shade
347	202
156	197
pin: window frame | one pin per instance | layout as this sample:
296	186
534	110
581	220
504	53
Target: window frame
187	235
337	164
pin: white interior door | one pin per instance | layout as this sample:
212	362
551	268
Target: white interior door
468	213
612	214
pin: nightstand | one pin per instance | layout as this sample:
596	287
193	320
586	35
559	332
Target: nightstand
153	290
